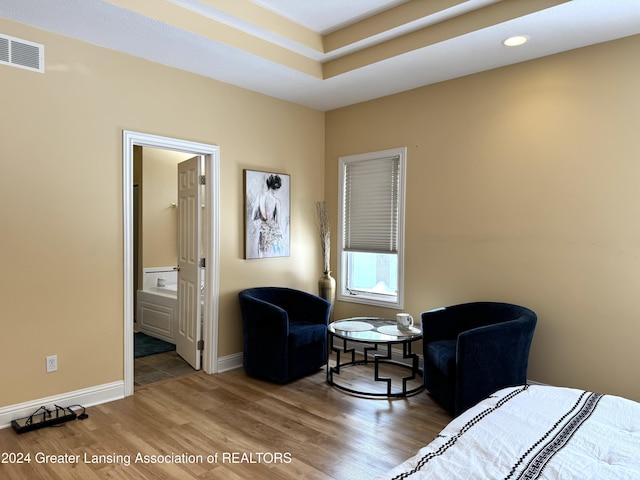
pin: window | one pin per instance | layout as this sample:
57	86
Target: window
371	227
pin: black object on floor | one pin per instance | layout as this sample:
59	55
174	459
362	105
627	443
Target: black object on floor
43	417
144	345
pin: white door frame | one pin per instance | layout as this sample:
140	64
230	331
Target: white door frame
211	249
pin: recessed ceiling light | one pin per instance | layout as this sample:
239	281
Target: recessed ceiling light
515	41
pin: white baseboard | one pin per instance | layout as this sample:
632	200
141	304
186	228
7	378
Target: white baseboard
86	397
229	362
533	382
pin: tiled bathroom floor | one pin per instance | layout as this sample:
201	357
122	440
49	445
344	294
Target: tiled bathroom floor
159	367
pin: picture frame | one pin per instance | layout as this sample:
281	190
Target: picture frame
267	214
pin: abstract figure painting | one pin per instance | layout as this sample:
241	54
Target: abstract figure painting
267	214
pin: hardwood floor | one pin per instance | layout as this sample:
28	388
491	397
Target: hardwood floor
230	426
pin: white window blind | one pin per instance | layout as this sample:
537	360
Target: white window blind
371	205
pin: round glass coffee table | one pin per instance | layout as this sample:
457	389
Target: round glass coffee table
376	336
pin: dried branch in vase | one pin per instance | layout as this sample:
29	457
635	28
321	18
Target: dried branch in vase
325	234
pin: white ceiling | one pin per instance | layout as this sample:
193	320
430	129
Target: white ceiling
325	16
564	27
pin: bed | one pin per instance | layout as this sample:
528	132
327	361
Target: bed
534	432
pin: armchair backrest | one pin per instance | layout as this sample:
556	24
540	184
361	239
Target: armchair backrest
448	322
274	295
297	304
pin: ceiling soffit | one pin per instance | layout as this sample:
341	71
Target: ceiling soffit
222	27
409	26
455	26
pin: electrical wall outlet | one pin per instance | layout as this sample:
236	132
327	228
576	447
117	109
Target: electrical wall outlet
52	363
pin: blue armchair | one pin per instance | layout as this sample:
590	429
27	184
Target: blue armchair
285	332
472	350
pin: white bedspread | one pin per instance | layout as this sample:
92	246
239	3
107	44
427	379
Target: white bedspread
534	432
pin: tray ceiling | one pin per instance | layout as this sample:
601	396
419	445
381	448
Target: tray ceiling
326	54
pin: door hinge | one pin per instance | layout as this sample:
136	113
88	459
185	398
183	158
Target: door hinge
202	263
200	344
203	180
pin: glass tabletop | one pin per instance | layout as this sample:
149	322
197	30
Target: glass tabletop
373	330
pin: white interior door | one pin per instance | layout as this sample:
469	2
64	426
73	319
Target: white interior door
189	272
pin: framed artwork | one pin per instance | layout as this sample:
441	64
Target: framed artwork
267	201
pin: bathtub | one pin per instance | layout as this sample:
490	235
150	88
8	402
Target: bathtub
156	313
157	304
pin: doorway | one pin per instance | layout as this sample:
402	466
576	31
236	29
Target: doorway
211	155
165	240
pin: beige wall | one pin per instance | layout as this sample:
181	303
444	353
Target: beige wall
62	255
523	185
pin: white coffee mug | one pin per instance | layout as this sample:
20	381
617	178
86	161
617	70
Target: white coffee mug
404	321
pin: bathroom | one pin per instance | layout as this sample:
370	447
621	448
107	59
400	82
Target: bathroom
155	264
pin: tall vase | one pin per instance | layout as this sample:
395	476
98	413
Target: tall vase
327	289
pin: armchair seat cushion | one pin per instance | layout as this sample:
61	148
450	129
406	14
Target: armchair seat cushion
305	333
442	355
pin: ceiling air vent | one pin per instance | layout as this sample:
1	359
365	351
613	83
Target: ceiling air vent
21	53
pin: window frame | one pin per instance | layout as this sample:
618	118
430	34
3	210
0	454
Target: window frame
369	298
